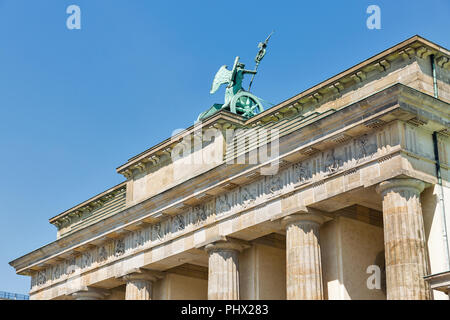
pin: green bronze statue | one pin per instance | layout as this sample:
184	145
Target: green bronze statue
237	100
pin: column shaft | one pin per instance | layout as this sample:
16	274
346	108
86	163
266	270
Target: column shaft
223	278
303	259
404	240
223	271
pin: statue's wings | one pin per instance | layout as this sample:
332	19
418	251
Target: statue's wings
222	76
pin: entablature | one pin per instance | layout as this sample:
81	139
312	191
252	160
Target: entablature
351	125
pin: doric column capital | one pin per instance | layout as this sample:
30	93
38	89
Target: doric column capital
306	217
139	283
401	184
141	274
227	245
223	268
89	293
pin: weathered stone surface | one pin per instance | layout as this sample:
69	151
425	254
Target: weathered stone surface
138	289
303	258
90	294
139	284
223	273
404	238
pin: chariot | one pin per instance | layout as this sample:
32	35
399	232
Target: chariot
237	100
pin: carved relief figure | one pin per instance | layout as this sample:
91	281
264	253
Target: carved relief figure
120	247
86	259
365	147
71	265
178	222
209	208
56	272
200	214
138	239
102	254
362	143
41	278
158	231
274	184
248	196
302	172
332	164
223	204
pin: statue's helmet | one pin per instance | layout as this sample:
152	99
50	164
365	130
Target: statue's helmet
241	65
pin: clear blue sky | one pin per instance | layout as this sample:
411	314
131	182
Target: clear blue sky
76	104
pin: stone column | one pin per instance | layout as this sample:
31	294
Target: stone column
303	259
404	240
223	270
139	284
89	293
138	288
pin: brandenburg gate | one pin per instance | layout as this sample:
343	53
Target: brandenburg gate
340	192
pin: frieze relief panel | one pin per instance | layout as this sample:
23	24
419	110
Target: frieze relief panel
87	259
314	169
102	254
119	247
71	266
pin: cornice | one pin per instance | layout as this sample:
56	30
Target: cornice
436	109
65	218
415	46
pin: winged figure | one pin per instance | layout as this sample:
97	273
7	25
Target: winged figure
237	100
231	77
223	76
